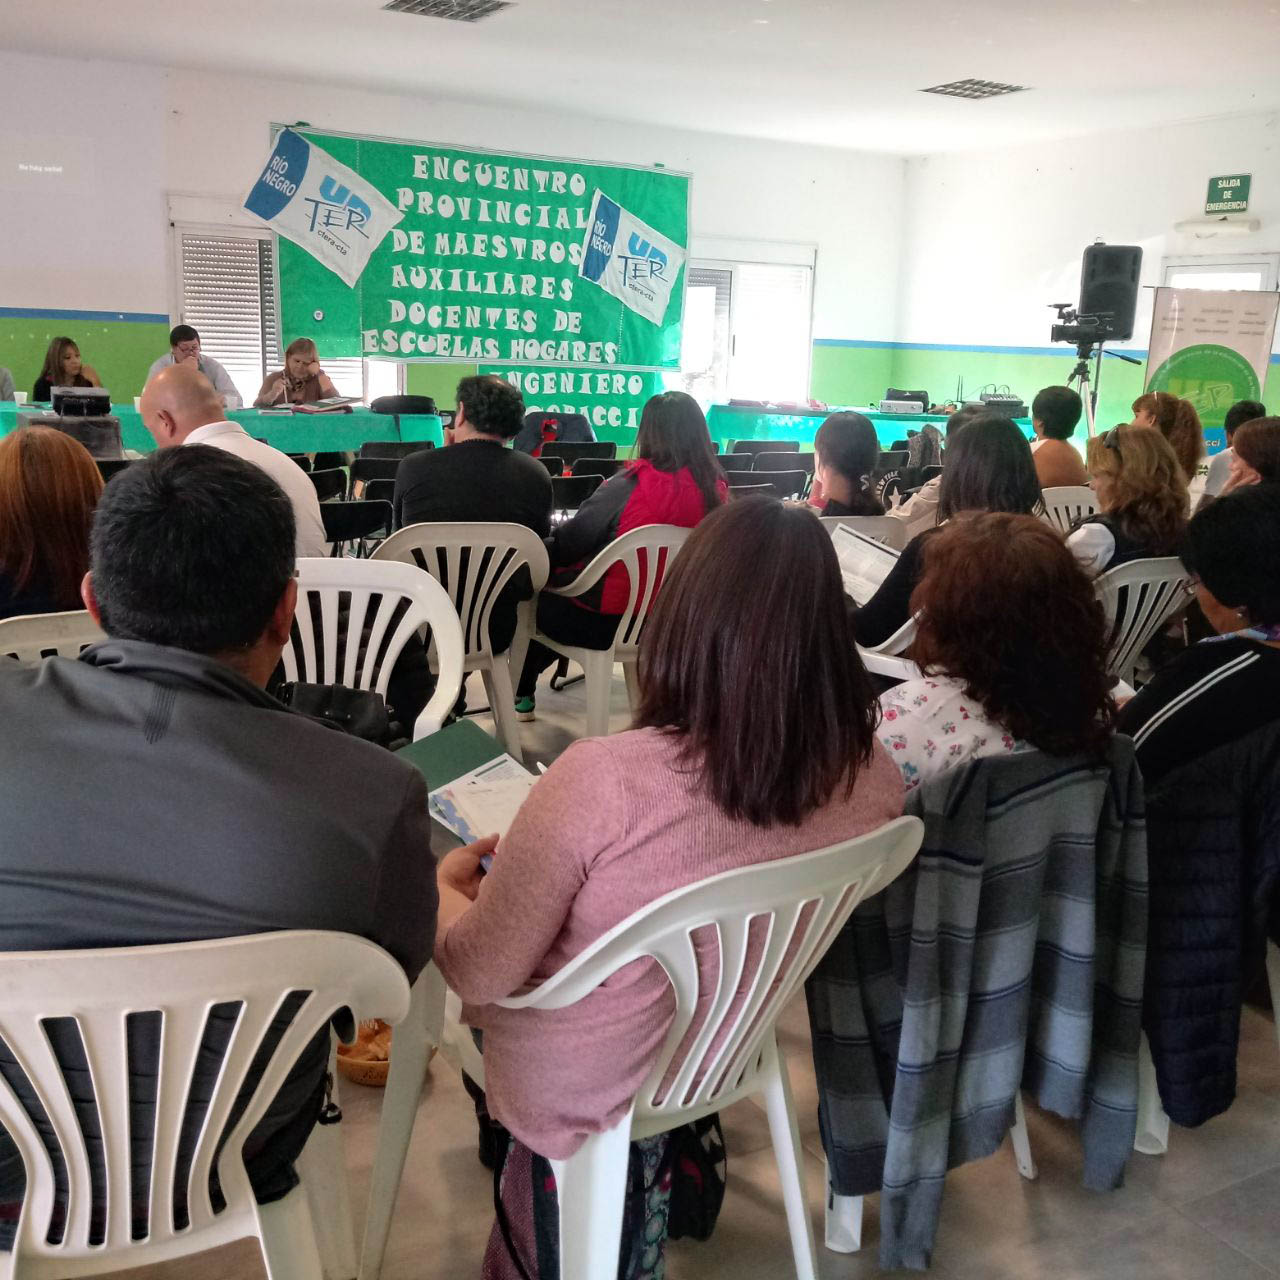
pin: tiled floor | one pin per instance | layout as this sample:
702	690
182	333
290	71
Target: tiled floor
1209	1210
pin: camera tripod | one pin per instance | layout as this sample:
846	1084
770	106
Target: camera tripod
1086	386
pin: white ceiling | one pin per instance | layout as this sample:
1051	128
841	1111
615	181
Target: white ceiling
837	72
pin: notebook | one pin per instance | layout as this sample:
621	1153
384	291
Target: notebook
864	563
483	802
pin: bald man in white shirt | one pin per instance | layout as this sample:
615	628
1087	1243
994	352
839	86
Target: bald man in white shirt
180	406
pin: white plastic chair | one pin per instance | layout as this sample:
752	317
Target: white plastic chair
31	638
799	905
1152	1136
99	990
1067	503
384	603
893	533
1139	598
646	554
495	553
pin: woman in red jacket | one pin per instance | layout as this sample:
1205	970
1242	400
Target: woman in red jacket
673	479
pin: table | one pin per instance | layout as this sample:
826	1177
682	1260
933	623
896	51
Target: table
292	433
729	422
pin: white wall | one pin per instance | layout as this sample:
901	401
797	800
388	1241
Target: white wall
992	237
158	133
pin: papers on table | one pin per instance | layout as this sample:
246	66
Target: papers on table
484	801
864	563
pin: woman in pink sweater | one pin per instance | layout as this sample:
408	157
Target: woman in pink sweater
754	740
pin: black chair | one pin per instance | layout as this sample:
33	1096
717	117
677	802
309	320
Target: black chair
379	490
892	459
735	476
553	464
749	490
766	446
929	473
571	428
783	462
568	493
355	522
898	445
109	467
606	467
330	483
301	459
393	448
365	469
403	404
333	458
786	484
570	453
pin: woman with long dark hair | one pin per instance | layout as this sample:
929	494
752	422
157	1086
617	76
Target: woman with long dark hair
989	468
846	451
754	741
62	368
673	479
49	487
1012	645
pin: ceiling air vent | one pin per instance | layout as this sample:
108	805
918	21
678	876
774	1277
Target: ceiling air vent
973	88
454	10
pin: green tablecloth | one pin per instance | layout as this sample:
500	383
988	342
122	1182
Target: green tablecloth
291	433
728	422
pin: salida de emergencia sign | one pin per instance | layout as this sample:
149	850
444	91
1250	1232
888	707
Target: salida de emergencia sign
1228	194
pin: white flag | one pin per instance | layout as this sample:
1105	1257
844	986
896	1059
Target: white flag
629	259
305	195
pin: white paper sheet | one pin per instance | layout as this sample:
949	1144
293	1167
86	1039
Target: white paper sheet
864	563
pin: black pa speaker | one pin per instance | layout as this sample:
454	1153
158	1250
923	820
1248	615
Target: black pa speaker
1109	289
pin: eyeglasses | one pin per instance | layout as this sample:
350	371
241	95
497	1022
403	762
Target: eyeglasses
1112	440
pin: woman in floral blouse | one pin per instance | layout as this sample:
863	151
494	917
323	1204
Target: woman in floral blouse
1012	650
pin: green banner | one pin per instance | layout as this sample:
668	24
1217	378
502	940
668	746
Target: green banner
611	400
484	266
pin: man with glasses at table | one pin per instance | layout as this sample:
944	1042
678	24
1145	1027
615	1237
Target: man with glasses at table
184	348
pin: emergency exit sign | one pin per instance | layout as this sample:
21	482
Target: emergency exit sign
1228	194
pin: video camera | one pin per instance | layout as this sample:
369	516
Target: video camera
1078	329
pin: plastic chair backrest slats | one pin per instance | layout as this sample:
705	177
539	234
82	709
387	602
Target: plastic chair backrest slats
772	924
1065	504
368	610
1138	599
473	562
30	638
76	1009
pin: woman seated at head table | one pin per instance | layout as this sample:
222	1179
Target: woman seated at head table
301	381
62	368
1176	420
748	644
988	468
1012	648
1142	500
49	487
846	450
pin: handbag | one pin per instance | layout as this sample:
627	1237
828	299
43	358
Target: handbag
362	713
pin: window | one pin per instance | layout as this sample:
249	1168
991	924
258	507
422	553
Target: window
226	290
1223	271
746	330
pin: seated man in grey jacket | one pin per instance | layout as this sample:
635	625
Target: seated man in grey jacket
152	792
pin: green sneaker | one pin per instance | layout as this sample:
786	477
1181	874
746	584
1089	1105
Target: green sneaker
524	709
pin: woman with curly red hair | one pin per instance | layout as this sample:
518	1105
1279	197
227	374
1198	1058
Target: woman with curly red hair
1024	672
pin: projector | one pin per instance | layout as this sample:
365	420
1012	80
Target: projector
80	402
902	406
